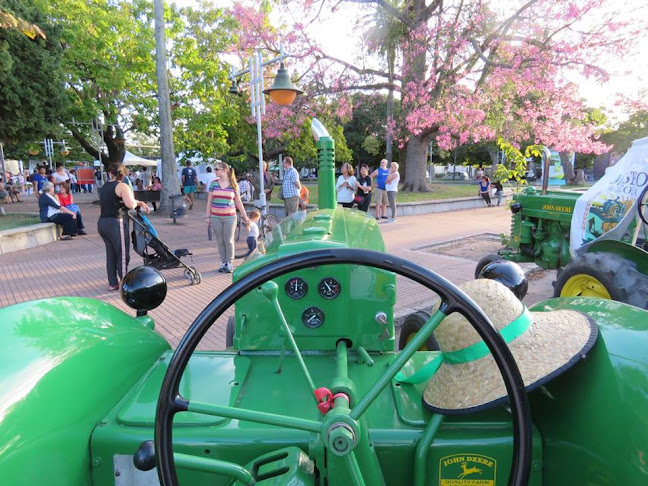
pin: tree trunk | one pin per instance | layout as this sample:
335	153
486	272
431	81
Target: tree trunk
579	180
115	142
170	184
414	70
415	164
493	151
566	158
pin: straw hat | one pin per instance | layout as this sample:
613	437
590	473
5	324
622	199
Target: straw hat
544	345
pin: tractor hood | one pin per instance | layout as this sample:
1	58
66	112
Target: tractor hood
84	350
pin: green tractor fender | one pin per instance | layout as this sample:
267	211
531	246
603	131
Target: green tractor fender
66	362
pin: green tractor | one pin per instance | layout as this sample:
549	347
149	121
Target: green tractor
541	232
312	390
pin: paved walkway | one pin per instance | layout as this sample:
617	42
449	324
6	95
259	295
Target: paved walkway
77	267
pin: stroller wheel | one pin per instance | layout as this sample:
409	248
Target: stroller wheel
192	276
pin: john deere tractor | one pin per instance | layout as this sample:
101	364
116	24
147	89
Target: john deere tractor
616	269
312	391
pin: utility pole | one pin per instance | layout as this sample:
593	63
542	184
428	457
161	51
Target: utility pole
170	185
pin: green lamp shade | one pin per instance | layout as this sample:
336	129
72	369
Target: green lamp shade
283	92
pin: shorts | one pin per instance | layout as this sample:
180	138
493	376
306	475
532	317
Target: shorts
381	196
189	189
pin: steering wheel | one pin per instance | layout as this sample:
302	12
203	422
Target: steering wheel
452	300
643	204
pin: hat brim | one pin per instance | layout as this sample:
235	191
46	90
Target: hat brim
554	342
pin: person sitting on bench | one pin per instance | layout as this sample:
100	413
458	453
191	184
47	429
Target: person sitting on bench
51	211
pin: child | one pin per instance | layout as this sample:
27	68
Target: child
66	199
253	231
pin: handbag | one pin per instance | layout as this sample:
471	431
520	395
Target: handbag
358	199
281	193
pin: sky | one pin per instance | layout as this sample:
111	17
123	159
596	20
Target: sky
597	95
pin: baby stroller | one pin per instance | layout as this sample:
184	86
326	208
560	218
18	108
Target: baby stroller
155	253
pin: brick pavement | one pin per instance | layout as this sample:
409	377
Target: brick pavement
77	267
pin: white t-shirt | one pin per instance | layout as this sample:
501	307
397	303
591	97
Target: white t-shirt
345	194
254	230
207	178
393	185
58	178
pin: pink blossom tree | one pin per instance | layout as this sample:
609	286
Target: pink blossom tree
476	71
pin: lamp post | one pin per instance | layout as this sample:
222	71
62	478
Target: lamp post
282	92
48	145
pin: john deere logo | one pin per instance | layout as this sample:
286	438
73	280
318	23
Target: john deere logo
467	470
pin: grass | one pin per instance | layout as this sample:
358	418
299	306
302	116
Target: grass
438	191
11	221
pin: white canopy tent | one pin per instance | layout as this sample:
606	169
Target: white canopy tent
132	159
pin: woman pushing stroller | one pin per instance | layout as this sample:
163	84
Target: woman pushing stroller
116	198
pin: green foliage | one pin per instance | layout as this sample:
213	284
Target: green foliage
372	145
636	126
304	152
365	133
517	162
204	114
31	77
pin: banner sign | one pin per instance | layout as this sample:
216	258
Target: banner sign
556	172
608	208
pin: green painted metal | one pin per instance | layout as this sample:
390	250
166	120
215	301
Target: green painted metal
215	466
402	358
326	173
66	362
365	290
593	419
285	467
423	448
540	232
386	447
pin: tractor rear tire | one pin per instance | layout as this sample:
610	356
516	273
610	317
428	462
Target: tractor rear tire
493	257
229	332
600	274
413	324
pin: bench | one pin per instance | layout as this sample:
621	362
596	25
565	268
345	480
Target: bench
148	196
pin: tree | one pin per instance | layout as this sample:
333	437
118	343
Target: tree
636	126
470	72
110	64
31	76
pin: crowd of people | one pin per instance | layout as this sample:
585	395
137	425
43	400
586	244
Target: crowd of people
226	194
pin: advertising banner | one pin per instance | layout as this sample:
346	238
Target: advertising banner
608	208
556	172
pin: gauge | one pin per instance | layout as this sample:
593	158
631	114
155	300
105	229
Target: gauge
329	288
313	317
296	288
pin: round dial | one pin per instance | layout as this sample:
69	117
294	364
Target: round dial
329	288
313	317
296	288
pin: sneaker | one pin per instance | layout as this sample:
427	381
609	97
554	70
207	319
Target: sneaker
113	287
384	217
228	268
222	268
391	220
82	232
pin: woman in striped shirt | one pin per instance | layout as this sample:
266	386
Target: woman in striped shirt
222	202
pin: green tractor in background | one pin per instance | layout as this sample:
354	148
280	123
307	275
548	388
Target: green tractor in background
312	391
613	268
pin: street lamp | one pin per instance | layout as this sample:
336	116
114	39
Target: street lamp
282	92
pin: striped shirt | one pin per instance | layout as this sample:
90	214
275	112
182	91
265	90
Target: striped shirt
222	200
291	177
